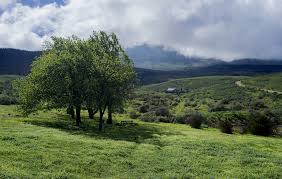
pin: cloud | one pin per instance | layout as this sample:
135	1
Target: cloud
224	29
5	3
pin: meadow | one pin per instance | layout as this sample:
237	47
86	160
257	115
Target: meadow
270	82
47	145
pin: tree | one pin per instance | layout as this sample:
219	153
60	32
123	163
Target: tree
115	73
58	78
72	73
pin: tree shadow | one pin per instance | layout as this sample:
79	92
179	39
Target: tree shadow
135	132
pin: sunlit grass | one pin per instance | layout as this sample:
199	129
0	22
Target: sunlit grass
48	145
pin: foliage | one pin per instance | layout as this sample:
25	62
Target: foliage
195	120
262	123
133	115
162	111
8	95
144	108
225	126
73	72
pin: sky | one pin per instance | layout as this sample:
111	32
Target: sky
224	29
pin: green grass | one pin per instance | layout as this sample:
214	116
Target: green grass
47	145
271	82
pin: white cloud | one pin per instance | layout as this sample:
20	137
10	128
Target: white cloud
210	28
5	3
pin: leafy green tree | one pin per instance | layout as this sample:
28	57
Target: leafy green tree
72	73
116	74
58	78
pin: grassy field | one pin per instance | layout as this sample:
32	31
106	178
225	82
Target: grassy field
47	145
212	96
271	82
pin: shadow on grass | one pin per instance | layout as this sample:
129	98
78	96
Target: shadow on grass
134	133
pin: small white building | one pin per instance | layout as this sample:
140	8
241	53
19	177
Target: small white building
171	90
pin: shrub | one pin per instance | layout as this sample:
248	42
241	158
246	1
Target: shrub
258	105
180	119
195	120
149	117
162	111
261	124
133	115
164	119
218	107
225	126
7	100
143	108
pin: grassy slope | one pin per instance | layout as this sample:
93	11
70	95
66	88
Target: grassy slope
203	92
271	82
47	145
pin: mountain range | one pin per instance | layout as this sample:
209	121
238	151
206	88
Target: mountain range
155	64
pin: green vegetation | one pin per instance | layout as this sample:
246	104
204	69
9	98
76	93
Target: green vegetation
217	98
48	145
73	73
270	82
7	94
95	75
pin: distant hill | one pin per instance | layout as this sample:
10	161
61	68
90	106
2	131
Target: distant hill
158	58
147	76
166	64
250	61
13	61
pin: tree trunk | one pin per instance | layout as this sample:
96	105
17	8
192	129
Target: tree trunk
70	111
90	113
78	117
110	115
101	121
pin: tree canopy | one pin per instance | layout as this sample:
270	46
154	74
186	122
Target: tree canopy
73	73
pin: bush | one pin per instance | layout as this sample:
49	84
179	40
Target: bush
262	124
133	115
162	111
196	120
218	107
149	117
7	100
180	119
225	126
144	109
164	119
258	105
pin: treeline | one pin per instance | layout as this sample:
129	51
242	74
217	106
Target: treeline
94	73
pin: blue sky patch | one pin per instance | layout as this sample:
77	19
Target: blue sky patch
41	2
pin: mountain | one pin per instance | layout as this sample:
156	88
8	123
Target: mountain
251	61
158	58
147	76
13	61
155	64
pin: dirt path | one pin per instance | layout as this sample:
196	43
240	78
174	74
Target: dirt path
240	84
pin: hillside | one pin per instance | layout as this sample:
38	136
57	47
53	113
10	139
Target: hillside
13	61
158	58
215	97
270	82
18	62
147	76
48	145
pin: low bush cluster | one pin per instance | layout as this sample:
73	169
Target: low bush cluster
195	120
262	123
226	126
